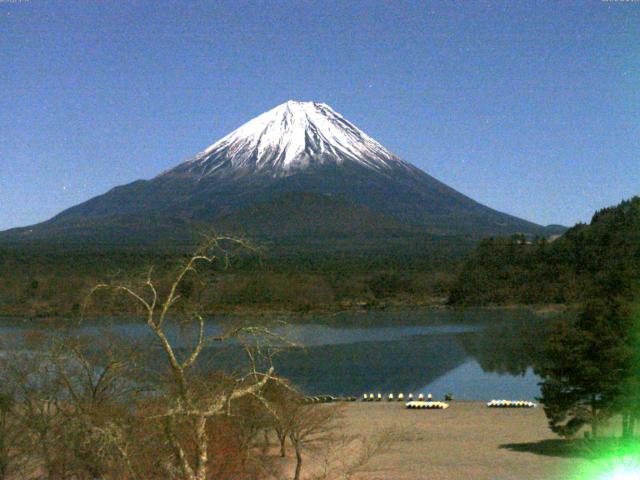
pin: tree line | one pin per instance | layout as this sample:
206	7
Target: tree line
517	270
52	282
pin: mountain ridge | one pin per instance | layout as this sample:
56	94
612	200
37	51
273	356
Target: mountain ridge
295	150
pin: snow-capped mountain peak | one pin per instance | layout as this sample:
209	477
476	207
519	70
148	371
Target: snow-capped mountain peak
299	173
290	137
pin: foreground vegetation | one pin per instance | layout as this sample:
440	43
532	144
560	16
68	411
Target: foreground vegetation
109	408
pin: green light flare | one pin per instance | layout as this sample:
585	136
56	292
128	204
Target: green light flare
615	459
623	472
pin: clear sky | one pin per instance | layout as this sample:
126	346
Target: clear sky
530	107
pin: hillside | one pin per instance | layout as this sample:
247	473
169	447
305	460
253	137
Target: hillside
605	254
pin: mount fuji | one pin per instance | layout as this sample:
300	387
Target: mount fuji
300	170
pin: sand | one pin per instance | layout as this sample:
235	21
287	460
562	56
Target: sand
466	441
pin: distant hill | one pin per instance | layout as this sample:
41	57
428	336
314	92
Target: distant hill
299	171
604	254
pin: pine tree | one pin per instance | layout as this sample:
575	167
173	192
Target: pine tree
586	368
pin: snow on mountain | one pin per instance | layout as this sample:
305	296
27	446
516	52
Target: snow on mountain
289	138
300	170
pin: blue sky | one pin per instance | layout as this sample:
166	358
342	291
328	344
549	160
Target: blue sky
532	108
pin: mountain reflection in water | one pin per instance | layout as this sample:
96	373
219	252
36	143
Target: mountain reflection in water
473	354
473	361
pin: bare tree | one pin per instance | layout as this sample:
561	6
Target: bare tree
316	431
191	403
11	457
101	406
283	407
100	380
68	395
28	378
311	426
345	456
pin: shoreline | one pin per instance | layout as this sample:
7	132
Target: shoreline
255	312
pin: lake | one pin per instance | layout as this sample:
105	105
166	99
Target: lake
472	354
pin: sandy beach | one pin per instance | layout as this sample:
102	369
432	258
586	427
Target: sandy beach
466	441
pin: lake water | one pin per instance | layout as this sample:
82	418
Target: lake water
471	354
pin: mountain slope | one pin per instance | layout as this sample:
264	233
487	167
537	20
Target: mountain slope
298	169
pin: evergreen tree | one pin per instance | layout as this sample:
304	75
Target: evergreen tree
628	400
587	368
603	256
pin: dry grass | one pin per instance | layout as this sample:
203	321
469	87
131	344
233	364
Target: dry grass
466	441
